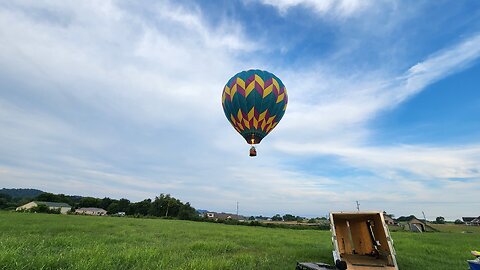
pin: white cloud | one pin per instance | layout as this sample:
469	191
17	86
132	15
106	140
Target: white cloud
341	8
430	163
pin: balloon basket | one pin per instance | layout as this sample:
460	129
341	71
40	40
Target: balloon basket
253	152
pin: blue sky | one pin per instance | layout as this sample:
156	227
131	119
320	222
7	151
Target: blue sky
122	99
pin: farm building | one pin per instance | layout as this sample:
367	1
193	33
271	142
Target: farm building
389	220
413	224
224	216
91	211
64	208
471	221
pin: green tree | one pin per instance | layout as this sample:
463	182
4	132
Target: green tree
289	217
42	208
105	203
123	205
112	208
5	201
50	197
277	217
142	207
89	202
164	205
440	220
458	221
187	212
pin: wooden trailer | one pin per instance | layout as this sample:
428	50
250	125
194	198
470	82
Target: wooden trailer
362	240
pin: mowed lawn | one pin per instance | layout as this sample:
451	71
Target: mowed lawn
42	241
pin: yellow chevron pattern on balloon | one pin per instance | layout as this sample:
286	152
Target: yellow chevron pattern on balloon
254	101
274	82
280	97
249	88
262	122
268	90
270	120
251	113
233	90
259	80
262	115
271	127
239	116
246	123
241	83
240	86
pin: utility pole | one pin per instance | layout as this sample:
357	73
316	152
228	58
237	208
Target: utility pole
358	206
237	209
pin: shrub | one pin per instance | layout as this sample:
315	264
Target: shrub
42	208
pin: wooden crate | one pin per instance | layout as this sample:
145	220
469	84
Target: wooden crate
362	240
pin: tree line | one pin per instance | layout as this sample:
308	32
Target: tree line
163	205
290	217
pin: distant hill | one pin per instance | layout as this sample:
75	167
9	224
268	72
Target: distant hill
21	192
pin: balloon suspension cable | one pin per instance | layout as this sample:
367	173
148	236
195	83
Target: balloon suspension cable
253	151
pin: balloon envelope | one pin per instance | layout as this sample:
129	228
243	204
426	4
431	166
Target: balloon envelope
254	101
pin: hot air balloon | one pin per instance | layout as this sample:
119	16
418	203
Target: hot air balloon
254	101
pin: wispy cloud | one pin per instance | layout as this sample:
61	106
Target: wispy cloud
343	8
439	65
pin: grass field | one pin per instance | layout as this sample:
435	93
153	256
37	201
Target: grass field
41	241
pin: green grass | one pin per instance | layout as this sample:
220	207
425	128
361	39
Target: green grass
41	241
456	228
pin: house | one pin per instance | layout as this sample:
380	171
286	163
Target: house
471	221
475	222
223	216
63	207
91	211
